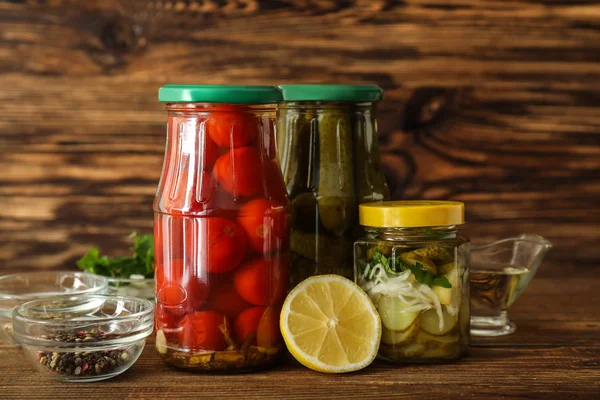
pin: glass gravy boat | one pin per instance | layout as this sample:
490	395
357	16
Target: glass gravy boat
500	272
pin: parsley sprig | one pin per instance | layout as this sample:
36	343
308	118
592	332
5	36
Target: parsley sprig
140	263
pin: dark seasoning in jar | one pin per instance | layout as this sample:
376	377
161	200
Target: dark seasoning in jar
87	363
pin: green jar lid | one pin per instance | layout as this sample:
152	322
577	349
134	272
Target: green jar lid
232	94
354	93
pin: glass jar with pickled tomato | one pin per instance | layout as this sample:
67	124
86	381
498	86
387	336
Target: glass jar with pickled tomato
221	228
414	265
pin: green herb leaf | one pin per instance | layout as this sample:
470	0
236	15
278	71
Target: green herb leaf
144	251
442	281
422	276
418	270
140	263
379	258
93	263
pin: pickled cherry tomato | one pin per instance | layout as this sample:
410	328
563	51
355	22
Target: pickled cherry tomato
172	298
223	246
231	129
202	192
223	200
209	151
265	224
168	272
273	177
268	332
247	323
239	171
262	281
166	322
200	331
225	299
197	292
179	293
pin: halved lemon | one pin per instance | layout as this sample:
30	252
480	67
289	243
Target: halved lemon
330	325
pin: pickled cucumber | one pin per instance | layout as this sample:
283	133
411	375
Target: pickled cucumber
391	310
445	268
319	254
411	258
435	253
370	181
336	197
305	212
294	149
326	250
430	322
337	214
400	337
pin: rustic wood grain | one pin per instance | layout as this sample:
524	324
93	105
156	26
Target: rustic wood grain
554	354
495	103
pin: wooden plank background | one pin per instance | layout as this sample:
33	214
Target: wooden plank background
491	102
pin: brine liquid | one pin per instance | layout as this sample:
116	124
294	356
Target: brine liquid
494	288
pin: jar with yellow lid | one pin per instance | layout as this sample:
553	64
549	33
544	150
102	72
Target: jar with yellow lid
414	266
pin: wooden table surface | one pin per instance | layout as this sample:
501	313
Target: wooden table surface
555	353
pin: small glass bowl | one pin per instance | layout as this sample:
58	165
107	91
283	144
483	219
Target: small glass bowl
83	338
135	287
19	288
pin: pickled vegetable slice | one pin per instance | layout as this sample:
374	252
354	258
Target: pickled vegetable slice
430	322
438	341
400	337
444	295
449	296
394	316
401	352
449	353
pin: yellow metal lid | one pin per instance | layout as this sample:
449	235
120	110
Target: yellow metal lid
411	213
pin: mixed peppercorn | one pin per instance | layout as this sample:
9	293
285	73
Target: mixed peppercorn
86	363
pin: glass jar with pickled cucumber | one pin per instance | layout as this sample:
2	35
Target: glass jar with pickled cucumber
328	151
414	266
